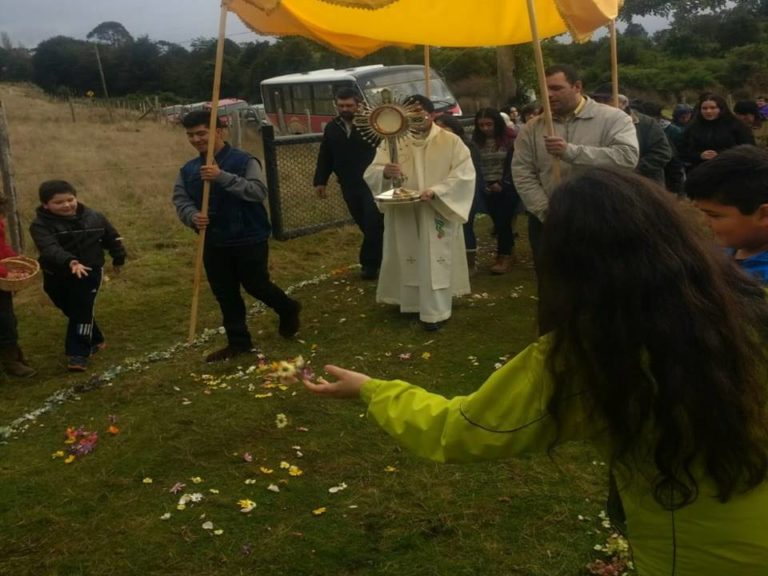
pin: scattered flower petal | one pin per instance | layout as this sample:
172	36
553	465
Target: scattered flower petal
69	459
319	511
246	505
284	465
176	488
390	469
165	516
147	480
208	525
295	471
273	488
338	488
196	479
281	420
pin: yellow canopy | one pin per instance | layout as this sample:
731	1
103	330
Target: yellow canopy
359	27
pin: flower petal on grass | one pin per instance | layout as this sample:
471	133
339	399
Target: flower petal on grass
273	488
390	469
319	511
69	459
218	532
246	505
281	420
147	480
165	516
295	471
426	355
196	479
285	465
208	525
176	488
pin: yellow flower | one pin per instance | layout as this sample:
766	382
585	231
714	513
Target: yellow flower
295	471
319	511
265	470
196	479
69	459
426	355
58	454
284	465
147	480
246	505
285	370
281	420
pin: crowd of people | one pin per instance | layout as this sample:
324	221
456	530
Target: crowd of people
653	342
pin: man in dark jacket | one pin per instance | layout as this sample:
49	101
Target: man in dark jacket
346	153
655	149
237	230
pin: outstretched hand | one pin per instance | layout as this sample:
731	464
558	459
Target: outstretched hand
347	384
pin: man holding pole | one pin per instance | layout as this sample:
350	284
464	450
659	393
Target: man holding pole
586	134
237	231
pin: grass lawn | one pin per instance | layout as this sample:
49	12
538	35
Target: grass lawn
215	427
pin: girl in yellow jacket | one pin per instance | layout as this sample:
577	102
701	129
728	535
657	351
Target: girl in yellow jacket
656	353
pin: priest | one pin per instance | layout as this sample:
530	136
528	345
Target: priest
424	263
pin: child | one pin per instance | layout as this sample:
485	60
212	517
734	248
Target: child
657	357
732	191
11	357
71	240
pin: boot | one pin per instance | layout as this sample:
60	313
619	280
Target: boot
472	261
13	362
503	264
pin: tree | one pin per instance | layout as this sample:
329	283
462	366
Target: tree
111	33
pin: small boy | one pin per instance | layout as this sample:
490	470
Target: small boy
732	191
71	240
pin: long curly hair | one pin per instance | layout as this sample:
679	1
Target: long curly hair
663	335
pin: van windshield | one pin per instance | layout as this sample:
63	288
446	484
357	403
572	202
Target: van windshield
404	83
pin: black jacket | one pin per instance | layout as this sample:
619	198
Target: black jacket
346	156
83	237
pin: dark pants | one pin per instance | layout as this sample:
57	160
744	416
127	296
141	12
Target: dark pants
535	227
228	268
366	215
502	206
76	297
8	334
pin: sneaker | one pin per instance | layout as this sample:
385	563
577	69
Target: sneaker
77	364
289	321
226	353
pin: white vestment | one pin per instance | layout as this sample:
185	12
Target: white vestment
424	262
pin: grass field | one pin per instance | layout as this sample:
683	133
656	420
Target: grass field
217	429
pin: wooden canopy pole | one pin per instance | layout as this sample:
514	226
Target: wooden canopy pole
539	57
208	161
427	87
614	64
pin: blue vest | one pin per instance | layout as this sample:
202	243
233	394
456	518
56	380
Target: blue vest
233	222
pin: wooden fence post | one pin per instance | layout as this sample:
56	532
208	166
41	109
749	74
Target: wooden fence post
9	190
71	108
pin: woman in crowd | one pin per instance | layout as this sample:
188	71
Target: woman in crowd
713	129
495	140
657	356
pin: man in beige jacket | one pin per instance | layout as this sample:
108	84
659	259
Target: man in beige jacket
586	134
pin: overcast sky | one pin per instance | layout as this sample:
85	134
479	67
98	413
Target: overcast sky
29	22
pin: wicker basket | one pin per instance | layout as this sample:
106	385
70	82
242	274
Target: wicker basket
18	264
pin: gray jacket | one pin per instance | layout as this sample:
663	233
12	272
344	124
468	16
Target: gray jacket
598	135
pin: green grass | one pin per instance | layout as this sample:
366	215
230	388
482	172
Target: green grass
96	516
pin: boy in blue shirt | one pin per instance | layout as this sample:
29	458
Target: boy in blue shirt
732	191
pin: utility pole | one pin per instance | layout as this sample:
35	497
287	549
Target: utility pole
103	81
